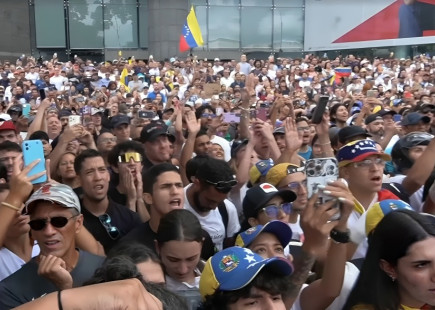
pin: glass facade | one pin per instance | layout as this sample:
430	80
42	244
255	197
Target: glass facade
251	24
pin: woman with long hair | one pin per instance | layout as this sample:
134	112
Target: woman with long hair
399	269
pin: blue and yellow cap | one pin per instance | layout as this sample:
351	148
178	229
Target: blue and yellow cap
358	150
235	267
280	229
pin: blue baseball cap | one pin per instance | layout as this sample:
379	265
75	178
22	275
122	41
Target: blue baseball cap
358	150
233	268
280	229
414	118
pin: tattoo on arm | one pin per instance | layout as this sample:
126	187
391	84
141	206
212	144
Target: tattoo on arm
302	268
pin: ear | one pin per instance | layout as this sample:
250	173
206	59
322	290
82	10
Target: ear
252	221
344	173
196	182
148	198
2	181
388	269
79	223
115	169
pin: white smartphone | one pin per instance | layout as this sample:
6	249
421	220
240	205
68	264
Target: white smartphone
74	120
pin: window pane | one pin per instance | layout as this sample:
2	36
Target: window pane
143	23
289	3
120	24
224	34
256	30
224	2
198	2
86	24
288	29
257	3
50	23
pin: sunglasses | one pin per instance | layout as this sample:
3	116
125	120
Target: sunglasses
57	221
125	158
112	231
223	186
207	115
272	211
296	186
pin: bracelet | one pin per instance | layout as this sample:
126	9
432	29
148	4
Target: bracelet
327	143
11	206
59	301
340	236
243	109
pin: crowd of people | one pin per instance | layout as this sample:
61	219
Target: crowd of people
198	184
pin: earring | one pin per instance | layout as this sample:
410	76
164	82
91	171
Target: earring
392	278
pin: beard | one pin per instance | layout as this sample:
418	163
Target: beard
198	207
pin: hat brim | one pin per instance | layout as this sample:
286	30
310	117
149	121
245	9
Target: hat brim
280	229
276	265
361	157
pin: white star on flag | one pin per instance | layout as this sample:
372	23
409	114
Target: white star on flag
250	258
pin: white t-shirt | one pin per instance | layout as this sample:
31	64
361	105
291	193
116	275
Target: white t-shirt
10	262
415	200
297	232
213	222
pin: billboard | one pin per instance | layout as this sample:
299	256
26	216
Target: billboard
338	24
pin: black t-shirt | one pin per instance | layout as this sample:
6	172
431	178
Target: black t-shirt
25	284
121	217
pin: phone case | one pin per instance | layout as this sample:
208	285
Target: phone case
33	150
74	120
262	114
26	110
319	171
320	110
230	117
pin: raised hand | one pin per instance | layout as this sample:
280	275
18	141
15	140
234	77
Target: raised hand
54	269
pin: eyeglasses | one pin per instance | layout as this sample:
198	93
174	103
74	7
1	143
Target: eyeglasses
112	231
106	140
272	211
367	163
296	186
125	158
207	115
307	128
223	186
57	221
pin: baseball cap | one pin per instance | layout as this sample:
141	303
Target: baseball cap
233	268
372	117
7	125
57	193
370	219
414	118
237	146
358	150
259	169
257	196
153	130
386	112
65	112
119	119
280	229
280	171
349	132
216	59
279	130
96	111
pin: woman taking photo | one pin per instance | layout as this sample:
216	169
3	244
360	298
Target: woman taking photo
398	272
179	244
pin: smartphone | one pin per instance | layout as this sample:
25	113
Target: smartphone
371	93
262	114
26	109
74	120
319	172
42	94
33	150
230	117
320	110
397	118
253	114
219	111
147	114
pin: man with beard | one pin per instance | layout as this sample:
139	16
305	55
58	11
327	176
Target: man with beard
207	196
375	126
105	219
303	129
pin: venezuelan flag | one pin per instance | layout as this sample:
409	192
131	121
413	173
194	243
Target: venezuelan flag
123	79
190	34
340	72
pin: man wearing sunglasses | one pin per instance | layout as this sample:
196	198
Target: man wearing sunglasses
207	196
55	220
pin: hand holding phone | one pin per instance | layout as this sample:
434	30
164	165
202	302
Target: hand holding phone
33	150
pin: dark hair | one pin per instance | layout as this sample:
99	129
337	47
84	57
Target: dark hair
90	153
179	225
201	133
390	241
138	252
39	135
151	175
333	111
9	146
265	280
4	175
122	268
193	164
214	170
123	147
202	108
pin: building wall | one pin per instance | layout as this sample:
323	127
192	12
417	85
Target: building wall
15	29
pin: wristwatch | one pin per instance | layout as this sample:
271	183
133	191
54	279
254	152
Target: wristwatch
340	236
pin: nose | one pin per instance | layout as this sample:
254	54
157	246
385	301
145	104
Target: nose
49	229
183	268
268	304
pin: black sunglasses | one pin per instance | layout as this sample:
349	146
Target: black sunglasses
223	186
57	221
112	231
